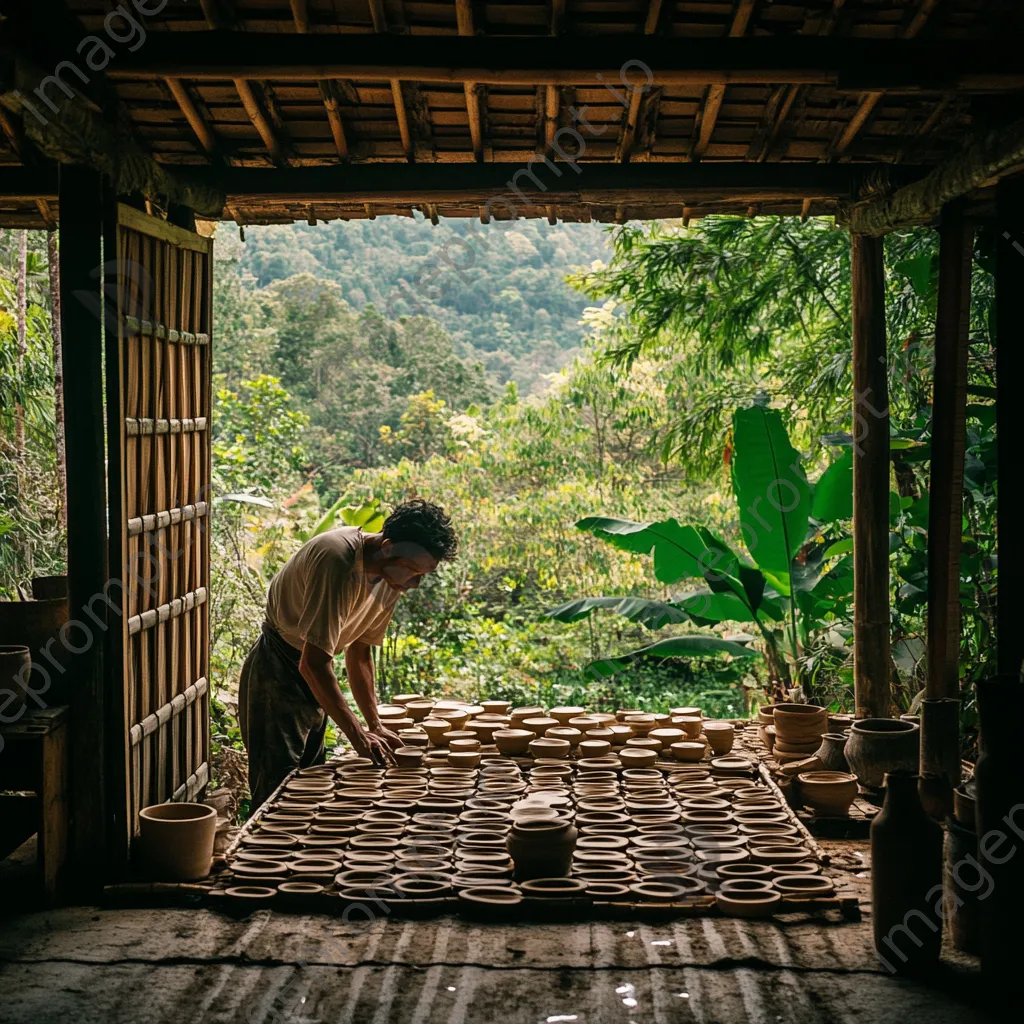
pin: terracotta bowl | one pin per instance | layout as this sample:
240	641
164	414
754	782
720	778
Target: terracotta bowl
419	709
408	757
496	707
641	724
563	714
465	744
690	712
688	750
518	714
594	748
544	747
539	725
829	794
667	736
513	741
721	736
435	728
464	758
760	903
630	757
406	698
572	736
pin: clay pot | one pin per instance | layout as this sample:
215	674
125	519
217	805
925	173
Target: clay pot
840	723
496	707
831	752
389	712
464	758
878	746
640	724
756	903
419	709
517	715
539	725
466	744
436	728
720	736
176	840
544	747
963	805
457	717
631	757
408	757
687	712
564	714
594	748
564	732
906	874
643	743
688	750
828	794
690	724
541	848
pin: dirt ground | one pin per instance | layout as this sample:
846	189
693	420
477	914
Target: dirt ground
81	965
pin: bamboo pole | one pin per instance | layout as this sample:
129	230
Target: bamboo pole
870	482
949	428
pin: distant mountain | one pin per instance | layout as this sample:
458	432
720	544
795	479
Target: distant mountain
498	290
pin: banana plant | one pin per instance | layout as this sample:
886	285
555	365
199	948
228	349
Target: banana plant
785	587
368	515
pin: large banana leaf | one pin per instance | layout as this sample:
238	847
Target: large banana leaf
696	646
678	550
652	614
833	493
772	492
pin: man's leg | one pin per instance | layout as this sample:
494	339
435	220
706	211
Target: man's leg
276	718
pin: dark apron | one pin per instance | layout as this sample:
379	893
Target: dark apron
282	724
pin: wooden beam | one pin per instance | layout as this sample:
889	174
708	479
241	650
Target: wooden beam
856	65
377	16
716	92
551	108
870	100
556	20
191	113
85	223
300	15
637	96
464	17
260	121
949	429
1009	315
328	91
217	16
653	19
982	161
640	183
871	656
402	117
329	94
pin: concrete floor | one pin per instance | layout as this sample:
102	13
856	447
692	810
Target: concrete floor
82	965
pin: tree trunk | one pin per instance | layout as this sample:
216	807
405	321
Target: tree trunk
58	379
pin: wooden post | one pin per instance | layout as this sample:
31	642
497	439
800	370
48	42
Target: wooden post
1009	375
870	482
83	205
949	427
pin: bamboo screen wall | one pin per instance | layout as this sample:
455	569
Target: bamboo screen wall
164	299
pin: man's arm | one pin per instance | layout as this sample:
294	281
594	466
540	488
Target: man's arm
359	670
316	667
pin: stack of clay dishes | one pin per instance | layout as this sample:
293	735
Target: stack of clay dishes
798	730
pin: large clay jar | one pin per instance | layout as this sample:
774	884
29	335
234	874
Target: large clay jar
541	848
176	840
880	745
906	878
964	885
999	803
832	752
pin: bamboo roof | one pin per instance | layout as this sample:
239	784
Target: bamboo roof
323	109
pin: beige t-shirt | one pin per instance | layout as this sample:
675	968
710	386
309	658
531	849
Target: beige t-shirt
322	595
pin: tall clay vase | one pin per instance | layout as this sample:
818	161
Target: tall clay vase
542	848
906	878
999	823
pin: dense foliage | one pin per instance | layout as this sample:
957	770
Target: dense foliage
333	401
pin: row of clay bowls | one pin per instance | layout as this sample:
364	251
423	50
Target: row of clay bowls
458	732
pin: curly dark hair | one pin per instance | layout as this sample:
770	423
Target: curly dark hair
425	524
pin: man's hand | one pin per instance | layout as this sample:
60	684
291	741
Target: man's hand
368	744
392	739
